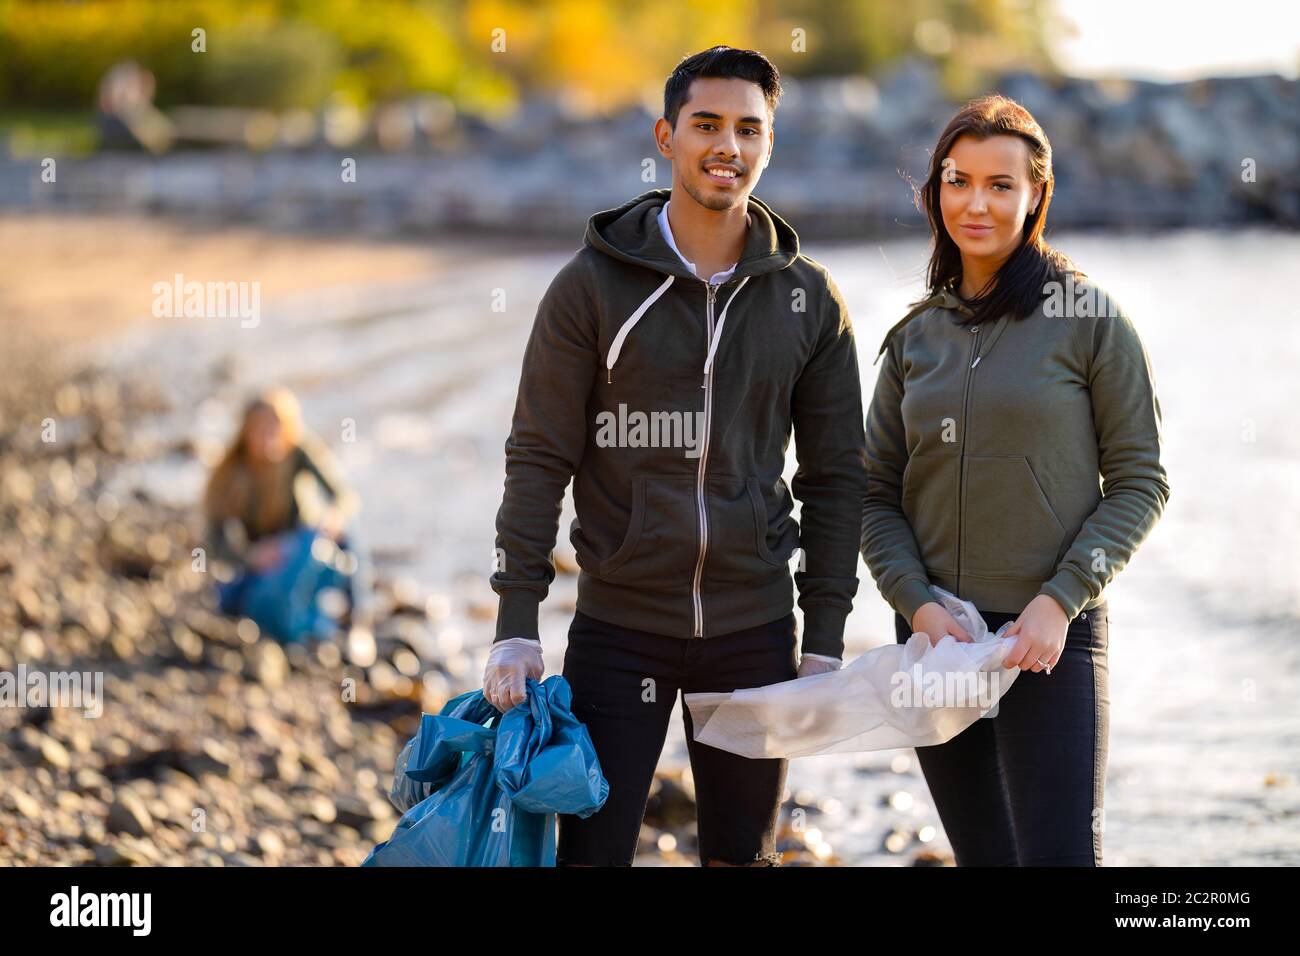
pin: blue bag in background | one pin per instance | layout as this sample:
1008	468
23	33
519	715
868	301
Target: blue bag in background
282	600
481	788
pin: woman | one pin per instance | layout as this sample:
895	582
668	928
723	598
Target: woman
1004	396
266	517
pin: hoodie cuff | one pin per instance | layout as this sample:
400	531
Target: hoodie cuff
517	614
909	596
823	630
1069	591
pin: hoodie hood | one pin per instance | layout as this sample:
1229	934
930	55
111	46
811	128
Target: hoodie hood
947	299
943	299
631	233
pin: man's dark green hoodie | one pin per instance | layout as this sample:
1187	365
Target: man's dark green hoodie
670	404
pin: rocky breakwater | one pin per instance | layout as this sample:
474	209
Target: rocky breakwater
1128	155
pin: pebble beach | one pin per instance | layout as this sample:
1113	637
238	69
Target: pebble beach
217	746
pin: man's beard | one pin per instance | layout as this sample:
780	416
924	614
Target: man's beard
719	202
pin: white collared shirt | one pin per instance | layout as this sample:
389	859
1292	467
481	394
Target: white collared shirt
718	277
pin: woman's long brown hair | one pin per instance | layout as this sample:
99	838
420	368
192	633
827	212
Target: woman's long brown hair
233	480
1019	284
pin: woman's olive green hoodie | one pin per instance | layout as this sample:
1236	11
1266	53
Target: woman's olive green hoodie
1011	459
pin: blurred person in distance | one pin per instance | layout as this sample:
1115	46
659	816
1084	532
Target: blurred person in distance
268	521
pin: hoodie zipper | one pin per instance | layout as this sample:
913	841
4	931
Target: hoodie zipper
700	503
965	429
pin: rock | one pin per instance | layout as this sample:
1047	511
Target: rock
31	609
272	804
89	779
361	647
670	806
213	757
93	831
269	844
320	807
187	643
128	814
283	766
30	646
896	841
378	832
328	654
54	753
114	854
26	805
213	627
178	801
933	858
95	620
340	734
315	761
267	664
358	812
297	655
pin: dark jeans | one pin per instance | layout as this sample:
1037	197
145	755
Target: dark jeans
625	683
1025	787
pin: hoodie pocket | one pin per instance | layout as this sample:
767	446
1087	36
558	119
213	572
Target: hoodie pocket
658	548
1011	529
743	545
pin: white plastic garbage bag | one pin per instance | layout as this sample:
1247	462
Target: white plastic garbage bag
898	695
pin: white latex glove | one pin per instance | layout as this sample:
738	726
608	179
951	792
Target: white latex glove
510	663
810	664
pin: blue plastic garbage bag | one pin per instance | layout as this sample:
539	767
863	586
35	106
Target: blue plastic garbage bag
282	600
481	788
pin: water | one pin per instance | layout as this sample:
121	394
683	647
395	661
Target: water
1204	764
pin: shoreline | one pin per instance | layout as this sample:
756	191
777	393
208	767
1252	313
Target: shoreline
90	275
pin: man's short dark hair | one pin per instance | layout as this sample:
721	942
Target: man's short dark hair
722	62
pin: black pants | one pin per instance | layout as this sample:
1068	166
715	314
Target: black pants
625	684
1025	787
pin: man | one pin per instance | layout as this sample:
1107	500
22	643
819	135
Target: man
668	363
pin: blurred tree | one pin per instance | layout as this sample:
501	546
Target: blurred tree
594	54
280	66
968	38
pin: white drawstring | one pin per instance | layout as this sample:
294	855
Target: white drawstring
627	327
617	346
717	332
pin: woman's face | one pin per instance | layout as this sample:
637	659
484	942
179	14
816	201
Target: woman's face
264	436
985	195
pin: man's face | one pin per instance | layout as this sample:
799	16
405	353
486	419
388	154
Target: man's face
721	143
